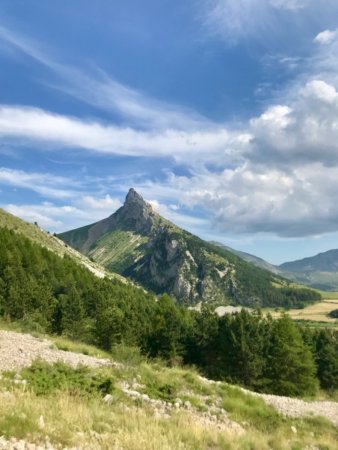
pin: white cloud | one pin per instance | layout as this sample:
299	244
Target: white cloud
286	182
326	37
98	89
233	19
275	174
263	20
106	203
78	212
102	91
292	5
172	212
217	144
24	45
321	91
33	213
250	199
44	184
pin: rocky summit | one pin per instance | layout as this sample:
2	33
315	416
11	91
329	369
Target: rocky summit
138	243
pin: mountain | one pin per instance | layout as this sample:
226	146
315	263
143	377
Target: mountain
138	243
317	272
255	260
320	271
36	234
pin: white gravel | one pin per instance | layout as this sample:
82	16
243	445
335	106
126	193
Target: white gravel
294	407
19	350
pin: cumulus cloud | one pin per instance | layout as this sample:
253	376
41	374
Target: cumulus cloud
326	37
305	131
250	199
286	182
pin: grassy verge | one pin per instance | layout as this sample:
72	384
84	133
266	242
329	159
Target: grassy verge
70	403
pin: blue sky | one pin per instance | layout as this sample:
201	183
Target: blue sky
222	113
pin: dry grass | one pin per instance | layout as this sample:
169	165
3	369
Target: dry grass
317	312
74	419
70	421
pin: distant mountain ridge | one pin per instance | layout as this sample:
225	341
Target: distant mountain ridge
138	243
259	262
319	271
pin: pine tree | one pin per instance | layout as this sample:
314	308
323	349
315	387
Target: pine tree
326	356
290	368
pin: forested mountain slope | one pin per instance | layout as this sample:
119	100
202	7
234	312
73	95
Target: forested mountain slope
53	294
51	242
138	243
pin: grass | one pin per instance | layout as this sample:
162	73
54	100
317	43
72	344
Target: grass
73	412
317	312
44	378
118	249
328	295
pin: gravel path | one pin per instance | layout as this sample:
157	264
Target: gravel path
293	407
19	350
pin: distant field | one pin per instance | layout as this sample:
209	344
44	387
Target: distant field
317	312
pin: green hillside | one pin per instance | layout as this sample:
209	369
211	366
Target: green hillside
138	243
52	242
48	293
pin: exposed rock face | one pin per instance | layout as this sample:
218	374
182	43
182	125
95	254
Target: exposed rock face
135	214
138	243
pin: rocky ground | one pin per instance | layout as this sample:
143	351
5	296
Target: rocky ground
293	407
20	350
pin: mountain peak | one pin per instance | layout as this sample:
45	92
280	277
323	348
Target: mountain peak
134	197
136	212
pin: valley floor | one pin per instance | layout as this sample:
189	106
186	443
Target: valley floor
318	312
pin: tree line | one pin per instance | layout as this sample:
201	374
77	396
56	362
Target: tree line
54	294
